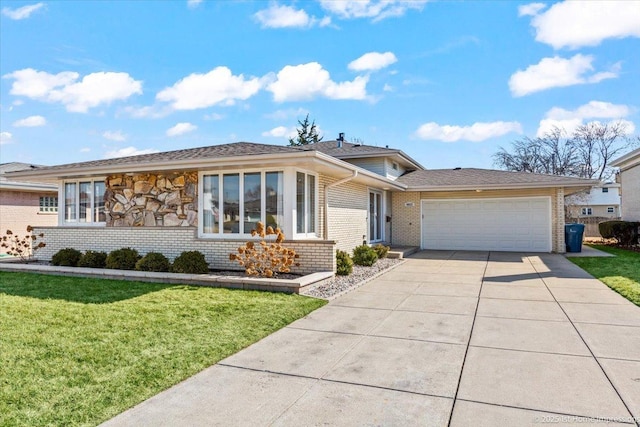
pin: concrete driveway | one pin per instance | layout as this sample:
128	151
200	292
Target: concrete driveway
447	338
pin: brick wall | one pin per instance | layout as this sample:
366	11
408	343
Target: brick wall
405	218
348	208
171	241
18	209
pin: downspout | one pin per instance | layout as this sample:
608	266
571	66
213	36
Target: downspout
326	201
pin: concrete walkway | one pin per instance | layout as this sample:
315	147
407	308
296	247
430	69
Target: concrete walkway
448	338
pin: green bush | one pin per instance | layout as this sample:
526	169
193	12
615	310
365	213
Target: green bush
344	263
190	262
93	259
625	232
123	259
67	257
153	261
365	255
381	250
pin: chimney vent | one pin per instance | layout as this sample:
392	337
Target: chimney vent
340	139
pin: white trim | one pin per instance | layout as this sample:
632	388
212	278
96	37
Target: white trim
294	197
381	193
549	213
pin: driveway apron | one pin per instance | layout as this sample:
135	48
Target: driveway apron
448	338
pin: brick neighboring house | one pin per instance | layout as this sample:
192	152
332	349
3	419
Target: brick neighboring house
602	201
25	203
629	178
325	196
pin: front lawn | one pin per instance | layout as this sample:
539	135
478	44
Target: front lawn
621	273
77	351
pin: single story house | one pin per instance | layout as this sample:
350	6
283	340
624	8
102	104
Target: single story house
601	201
324	196
629	178
25	203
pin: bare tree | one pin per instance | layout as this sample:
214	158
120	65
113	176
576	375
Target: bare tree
586	153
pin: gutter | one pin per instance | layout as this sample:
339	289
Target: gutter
326	201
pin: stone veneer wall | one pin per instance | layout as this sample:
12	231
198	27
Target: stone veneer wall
315	255
152	200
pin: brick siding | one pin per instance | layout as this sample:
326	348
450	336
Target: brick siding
18	209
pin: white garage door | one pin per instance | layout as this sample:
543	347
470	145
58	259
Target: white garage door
513	224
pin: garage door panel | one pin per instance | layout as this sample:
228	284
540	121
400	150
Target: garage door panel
508	224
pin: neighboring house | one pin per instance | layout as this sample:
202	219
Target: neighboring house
629	178
25	203
602	201
325	196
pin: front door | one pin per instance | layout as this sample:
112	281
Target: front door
375	217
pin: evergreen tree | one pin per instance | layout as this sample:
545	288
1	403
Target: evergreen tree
307	133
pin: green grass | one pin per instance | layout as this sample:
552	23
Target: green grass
77	351
621	273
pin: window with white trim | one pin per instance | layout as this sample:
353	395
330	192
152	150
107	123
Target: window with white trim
233	203
587	211
48	204
84	202
305	203
611	209
605	190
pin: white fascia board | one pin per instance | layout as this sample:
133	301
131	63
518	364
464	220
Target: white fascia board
27	186
628	160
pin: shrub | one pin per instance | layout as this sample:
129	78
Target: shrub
625	232
265	259
381	250
93	259
153	261
365	255
122	259
23	247
190	262
67	257
344	263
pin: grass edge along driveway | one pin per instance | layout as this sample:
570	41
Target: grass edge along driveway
621	273
79	351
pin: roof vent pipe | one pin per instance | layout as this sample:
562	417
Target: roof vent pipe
340	139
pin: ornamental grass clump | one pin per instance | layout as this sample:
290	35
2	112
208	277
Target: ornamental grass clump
265	259
23	247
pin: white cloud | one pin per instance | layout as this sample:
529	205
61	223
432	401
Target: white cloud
218	86
531	9
377	10
387	88
6	138
281	132
573	24
151	112
181	129
281	16
21	12
128	151
476	132
30	122
192	4
114	135
85	150
287	114
214	116
569	120
308	81
373	61
558	72
77	96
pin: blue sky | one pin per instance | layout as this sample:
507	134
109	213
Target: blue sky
447	82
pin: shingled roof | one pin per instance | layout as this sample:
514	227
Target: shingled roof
471	178
348	150
201	153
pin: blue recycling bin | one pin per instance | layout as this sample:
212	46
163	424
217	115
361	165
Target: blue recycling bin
573	237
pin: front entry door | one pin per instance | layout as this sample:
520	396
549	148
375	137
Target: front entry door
375	217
